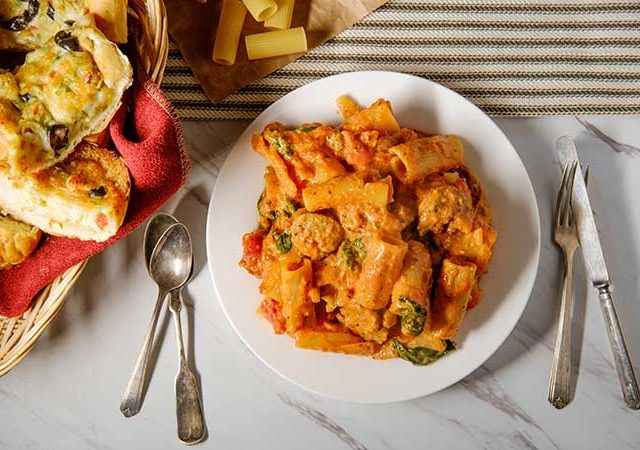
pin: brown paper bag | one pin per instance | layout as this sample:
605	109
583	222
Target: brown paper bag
193	27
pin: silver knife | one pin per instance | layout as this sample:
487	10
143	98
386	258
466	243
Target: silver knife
596	270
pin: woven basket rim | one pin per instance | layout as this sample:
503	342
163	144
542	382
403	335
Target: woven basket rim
18	335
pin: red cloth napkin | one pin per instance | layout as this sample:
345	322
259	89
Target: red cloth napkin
149	138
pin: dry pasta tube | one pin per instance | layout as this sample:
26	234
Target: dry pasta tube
276	43
281	20
230	24
261	10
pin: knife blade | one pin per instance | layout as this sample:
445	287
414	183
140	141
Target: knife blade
594	262
597	273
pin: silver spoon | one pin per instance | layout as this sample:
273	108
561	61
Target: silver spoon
171	264
132	399
155	228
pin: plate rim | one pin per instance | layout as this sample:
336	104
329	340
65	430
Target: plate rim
536	228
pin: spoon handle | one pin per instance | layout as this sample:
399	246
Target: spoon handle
188	409
132	400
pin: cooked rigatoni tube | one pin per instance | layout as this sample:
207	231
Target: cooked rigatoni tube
347	190
455	284
276	43
261	10
281	20
381	268
410	295
230	24
419	158
294	292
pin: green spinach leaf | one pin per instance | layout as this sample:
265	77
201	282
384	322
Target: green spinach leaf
421	356
283	242
307	129
413	316
290	207
353	252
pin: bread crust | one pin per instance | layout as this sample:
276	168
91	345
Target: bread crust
85	196
17	241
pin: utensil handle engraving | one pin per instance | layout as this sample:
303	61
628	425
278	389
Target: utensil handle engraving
189	415
188	409
618	347
131	402
560	378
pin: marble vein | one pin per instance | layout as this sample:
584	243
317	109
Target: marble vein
615	145
495	440
325	422
482	384
533	335
59	423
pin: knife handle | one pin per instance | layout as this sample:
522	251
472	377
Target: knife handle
618	347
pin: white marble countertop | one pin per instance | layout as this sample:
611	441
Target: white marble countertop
65	394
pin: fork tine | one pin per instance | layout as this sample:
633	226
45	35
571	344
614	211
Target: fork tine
559	198
565	207
564	211
570	182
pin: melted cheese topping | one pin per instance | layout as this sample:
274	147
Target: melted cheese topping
74	92
67	84
59	200
42	27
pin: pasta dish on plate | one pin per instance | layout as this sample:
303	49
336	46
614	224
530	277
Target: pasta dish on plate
372	238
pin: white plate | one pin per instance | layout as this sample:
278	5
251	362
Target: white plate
419	104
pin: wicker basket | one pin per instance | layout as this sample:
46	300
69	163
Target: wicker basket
19	334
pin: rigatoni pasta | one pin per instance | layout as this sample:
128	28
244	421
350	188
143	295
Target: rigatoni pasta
276	43
423	157
380	269
225	47
281	19
372	238
347	190
261	9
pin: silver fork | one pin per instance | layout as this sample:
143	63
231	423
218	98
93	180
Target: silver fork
565	234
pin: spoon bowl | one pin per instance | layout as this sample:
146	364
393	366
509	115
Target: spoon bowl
172	258
154	230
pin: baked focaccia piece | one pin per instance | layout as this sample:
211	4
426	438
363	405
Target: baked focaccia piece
17	241
64	91
26	25
84	197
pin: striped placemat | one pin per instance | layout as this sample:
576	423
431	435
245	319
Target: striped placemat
511	58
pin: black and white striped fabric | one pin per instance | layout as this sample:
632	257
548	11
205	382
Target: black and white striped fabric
511	58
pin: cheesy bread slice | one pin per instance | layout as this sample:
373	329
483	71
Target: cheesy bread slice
84	197
66	90
17	241
26	25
